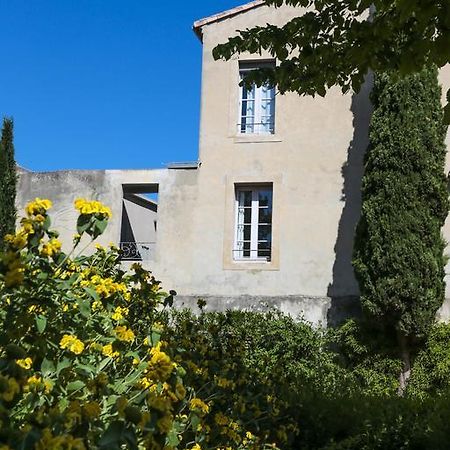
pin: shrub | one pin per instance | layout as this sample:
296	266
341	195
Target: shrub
82	362
8	180
398	258
231	364
431	369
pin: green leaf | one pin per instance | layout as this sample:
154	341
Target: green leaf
100	225
156	337
63	403
61	365
112	438
47	367
41	323
195	421
30	440
47	223
129	436
172	439
92	293
86	367
75	385
83	223
84	306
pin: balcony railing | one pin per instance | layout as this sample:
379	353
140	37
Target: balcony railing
137	251
261	255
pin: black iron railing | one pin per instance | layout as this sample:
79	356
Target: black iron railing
137	251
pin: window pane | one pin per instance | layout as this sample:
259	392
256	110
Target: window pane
265	197
265	215
264	233
247	232
248	215
246	252
264	250
245	198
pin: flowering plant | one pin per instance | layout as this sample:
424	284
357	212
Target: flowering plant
88	358
77	367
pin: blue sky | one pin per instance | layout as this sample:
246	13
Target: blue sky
95	84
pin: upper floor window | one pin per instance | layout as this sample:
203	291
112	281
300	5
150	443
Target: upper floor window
257	104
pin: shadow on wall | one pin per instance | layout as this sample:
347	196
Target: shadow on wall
343	290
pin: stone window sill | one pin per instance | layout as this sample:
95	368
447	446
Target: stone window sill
255	138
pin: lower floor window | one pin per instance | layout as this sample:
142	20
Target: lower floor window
253	237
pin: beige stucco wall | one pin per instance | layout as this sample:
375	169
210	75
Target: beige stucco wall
303	159
177	188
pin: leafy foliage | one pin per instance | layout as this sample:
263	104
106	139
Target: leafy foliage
86	358
8	181
91	357
431	370
330	42
398	256
358	421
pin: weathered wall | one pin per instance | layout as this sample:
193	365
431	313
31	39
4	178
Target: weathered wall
176	190
314	160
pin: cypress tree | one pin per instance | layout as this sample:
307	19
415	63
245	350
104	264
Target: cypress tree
399	250
8	179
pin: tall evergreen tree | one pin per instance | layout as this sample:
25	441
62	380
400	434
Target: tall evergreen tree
8	179
399	250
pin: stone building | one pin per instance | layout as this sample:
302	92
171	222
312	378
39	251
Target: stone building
266	216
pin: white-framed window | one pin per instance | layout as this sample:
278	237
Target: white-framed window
257	104
253	223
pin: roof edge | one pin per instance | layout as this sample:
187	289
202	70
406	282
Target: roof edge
199	24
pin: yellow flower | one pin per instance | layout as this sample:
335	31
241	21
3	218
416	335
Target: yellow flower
18	240
223	382
25	363
250	436
51	248
38	207
36	383
105	287
27	226
180	391
91	410
221	419
165	424
124	334
97	305
107	350
72	343
96	347
160	366
199	406
92	207
196	447
66	441
48	386
119	313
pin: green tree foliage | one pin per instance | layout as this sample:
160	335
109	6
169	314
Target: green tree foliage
7	181
330	43
398	256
